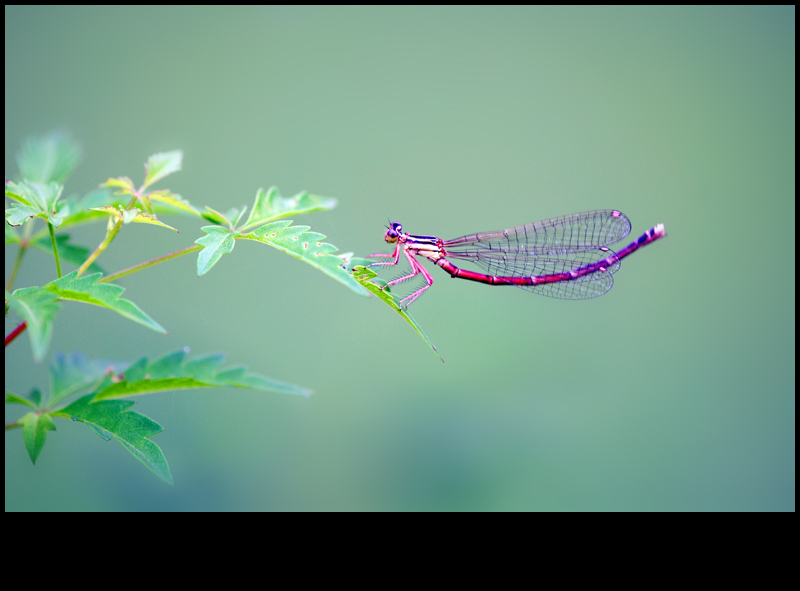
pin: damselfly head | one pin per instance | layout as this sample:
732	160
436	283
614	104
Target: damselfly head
393	232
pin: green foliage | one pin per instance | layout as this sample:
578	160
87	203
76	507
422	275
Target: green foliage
134	214
160	165
217	242
82	210
307	246
38	305
87	290
34	432
44	166
112	419
33	200
174	372
365	277
269	205
34	400
260	226
51	158
73	373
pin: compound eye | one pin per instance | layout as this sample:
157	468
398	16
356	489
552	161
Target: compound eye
393	233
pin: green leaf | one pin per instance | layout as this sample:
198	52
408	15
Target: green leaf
132	215
131	429
81	210
364	276
49	158
215	217
12	398
270	206
172	203
160	165
307	246
217	242
72	373
230	218
123	183
126	388
44	196
237	377
34	432
18	214
37	307
175	372
34	200
15	192
36	397
87	290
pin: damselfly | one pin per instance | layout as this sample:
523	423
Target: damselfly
564	257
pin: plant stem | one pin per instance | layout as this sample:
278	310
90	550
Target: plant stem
23	247
55	248
15	333
150	263
110	235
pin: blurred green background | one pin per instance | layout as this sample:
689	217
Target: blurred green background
675	391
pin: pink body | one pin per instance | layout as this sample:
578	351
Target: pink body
565	257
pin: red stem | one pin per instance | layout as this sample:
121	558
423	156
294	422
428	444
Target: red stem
15	333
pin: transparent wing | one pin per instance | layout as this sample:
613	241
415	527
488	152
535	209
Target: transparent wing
591	285
563	235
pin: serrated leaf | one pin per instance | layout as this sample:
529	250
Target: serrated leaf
160	165
87	290
270	206
49	158
34	200
72	373
81	210
130	428
170	202
123	183
18	214
365	276
217	242
175	372
307	246
133	214
37	307
34	432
